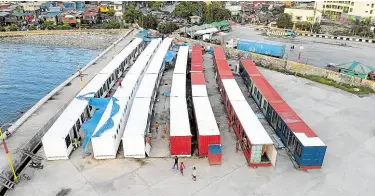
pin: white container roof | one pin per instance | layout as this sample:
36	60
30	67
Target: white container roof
67	119
309	141
119	58
178	88
181	61
144	58
179	117
147	86
122	102
158	59
204	116
95	84
199	91
138	118
233	91
250	123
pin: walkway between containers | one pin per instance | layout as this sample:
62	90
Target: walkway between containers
29	134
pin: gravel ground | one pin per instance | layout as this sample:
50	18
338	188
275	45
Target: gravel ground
95	41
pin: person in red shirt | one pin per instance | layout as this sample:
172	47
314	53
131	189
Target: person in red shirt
182	167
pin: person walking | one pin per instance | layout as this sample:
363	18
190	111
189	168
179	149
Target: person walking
156	127
75	143
175	163
194	174
182	167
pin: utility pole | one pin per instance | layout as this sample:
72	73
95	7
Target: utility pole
80	76
8	157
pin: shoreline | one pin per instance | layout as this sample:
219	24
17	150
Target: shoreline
94	40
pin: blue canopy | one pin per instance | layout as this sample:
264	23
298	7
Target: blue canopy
91	125
169	56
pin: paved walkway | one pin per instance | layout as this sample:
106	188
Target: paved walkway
31	127
160	140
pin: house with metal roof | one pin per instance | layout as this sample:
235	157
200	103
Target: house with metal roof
356	69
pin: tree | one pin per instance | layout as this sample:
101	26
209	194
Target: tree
285	21
12	27
304	26
131	14
155	5
214	12
189	8
316	28
222	14
49	25
167	28
111	12
2	29
148	22
32	27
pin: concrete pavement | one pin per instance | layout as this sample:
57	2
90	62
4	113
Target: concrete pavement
342	120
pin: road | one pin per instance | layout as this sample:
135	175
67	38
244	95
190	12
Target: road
317	51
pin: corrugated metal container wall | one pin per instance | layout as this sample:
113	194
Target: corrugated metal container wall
204	141
261	48
214	154
180	145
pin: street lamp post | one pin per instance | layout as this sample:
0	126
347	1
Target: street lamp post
299	54
8	154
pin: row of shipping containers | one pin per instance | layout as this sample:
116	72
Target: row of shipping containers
206	127
306	148
252	138
180	134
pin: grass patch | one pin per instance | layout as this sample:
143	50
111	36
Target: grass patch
358	90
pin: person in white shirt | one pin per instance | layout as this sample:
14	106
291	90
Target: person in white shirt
194	174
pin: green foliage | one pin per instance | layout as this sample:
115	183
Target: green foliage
221	14
285	21
168	27
111	12
148	21
155	5
214	13
131	14
316	28
112	24
32	27
361	27
2	29
189	8
12	27
304	26
48	25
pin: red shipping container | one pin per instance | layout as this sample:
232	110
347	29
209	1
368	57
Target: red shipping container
180	145
204	141
214	154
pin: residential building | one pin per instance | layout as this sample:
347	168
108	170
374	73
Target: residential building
349	9
235	10
302	15
195	19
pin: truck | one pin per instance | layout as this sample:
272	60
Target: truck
273	49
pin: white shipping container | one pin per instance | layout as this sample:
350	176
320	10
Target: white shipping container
133	140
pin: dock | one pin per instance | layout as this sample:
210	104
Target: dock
27	131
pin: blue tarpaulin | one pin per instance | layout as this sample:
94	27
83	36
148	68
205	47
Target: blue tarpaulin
91	125
144	35
169	56
272	49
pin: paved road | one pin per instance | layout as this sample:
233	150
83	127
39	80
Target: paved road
317	51
32	125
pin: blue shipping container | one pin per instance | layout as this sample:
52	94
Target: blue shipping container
270	49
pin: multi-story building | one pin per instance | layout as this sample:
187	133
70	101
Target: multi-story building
304	15
349	9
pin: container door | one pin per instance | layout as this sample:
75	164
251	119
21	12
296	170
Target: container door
272	154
